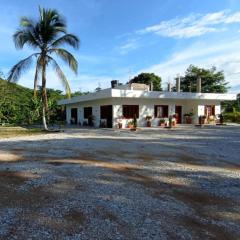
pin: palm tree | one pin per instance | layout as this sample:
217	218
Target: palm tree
45	35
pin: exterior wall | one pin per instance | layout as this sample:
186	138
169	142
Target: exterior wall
80	106
140	94
146	107
68	114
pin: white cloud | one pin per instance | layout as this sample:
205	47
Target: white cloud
129	45
224	56
193	25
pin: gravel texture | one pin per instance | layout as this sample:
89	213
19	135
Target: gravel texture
182	183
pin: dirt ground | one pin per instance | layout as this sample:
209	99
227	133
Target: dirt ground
110	184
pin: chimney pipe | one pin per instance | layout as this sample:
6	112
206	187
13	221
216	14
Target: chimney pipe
151	86
114	83
178	82
169	87
199	85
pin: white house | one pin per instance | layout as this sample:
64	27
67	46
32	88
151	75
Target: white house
121	103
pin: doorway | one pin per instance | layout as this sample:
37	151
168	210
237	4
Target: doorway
209	110
178	111
74	115
106	113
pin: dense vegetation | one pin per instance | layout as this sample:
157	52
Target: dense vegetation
232	110
18	106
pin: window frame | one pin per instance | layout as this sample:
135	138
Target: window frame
165	111
130	112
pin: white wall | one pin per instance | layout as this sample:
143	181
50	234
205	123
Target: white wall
217	109
68	114
80	106
146	107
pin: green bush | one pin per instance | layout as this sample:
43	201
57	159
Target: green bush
232	117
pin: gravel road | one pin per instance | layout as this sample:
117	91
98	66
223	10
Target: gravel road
110	184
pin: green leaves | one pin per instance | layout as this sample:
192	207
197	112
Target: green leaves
147	78
66	57
17	69
213	81
61	76
68	39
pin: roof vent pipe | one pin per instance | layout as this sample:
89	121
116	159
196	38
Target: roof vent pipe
199	85
169	87
178	82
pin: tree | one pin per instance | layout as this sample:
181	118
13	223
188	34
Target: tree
213	81
46	35
148	78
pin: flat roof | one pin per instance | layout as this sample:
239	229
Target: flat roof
119	93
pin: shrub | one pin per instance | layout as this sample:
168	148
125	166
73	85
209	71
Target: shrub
232	117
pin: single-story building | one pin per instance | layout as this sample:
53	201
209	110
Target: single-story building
119	104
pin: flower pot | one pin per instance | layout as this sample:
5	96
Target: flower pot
188	120
119	125
149	124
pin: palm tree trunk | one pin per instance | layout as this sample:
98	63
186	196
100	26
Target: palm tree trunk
44	97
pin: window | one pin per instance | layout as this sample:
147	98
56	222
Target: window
161	111
129	111
87	112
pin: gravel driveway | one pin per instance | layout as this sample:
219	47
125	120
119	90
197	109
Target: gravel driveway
109	184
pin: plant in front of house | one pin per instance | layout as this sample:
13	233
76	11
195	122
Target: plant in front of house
91	119
221	119
162	122
188	117
119	124
202	119
170	121
134	121
148	119
130	124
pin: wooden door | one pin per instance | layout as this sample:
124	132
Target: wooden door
178	111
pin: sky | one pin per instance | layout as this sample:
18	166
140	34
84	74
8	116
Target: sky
120	39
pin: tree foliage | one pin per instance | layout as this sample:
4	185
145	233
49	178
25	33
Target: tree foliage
148	78
213	81
18	106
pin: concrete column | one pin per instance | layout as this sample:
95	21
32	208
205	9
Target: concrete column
80	115
200	110
199	85
96	114
171	109
217	109
68	114
178	82
117	115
